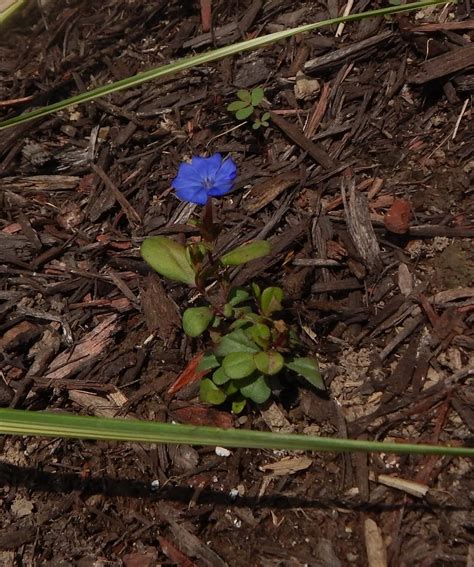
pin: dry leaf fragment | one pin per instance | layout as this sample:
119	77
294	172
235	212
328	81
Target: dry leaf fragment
288	465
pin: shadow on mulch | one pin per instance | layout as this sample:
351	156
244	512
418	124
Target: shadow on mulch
63	483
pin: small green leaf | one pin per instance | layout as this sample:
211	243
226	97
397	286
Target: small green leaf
246	253
265	117
238	295
168	258
236	105
256	389
271	300
230	388
227	311
269	363
256	125
257	96
260	334
244	113
210	393
208	362
307	367
236	341
238	365
219	377
196	320
238	405
256	290
244	95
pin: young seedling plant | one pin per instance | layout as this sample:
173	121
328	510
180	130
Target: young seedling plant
251	343
248	105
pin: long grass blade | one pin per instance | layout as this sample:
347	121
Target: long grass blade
9	9
48	424
194	61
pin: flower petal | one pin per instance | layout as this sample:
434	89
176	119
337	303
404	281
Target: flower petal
227	172
193	194
207	167
221	189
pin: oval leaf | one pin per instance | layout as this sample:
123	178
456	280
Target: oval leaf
209	393
207	362
238	365
256	389
237	105
308	368
244	95
257	96
219	377
270	300
238	405
244	113
168	258
236	341
269	362
196	320
246	253
237	295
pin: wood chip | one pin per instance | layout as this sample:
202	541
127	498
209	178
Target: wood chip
409	486
316	151
445	64
91	346
376	552
359	224
264	193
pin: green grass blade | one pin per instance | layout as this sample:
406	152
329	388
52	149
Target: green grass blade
48	424
10	10
188	62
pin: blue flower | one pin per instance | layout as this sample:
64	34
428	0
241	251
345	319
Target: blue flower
204	178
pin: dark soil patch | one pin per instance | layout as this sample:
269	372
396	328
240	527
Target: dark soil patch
86	328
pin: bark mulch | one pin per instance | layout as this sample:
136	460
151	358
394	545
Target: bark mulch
363	184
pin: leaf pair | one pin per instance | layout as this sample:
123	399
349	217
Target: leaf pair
248	100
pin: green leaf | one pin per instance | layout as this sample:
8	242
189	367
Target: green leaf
209	393
246	253
227	311
238	405
236	105
257	96
244	95
208	362
230	387
256	125
238	365
265	117
168	258
271	300
259	333
270	362
244	113
219	377
256	290
236	341
256	389
308	368
196	320
238	295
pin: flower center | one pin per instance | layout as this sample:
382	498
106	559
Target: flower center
208	182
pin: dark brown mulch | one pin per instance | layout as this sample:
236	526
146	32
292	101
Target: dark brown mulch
363	184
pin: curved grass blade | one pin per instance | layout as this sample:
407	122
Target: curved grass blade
188	62
48	424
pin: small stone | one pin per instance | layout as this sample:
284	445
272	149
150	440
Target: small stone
222	452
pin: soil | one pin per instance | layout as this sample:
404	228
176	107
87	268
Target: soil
363	184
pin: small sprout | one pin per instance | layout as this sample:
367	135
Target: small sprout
248	105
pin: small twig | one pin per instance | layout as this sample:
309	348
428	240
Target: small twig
458	121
